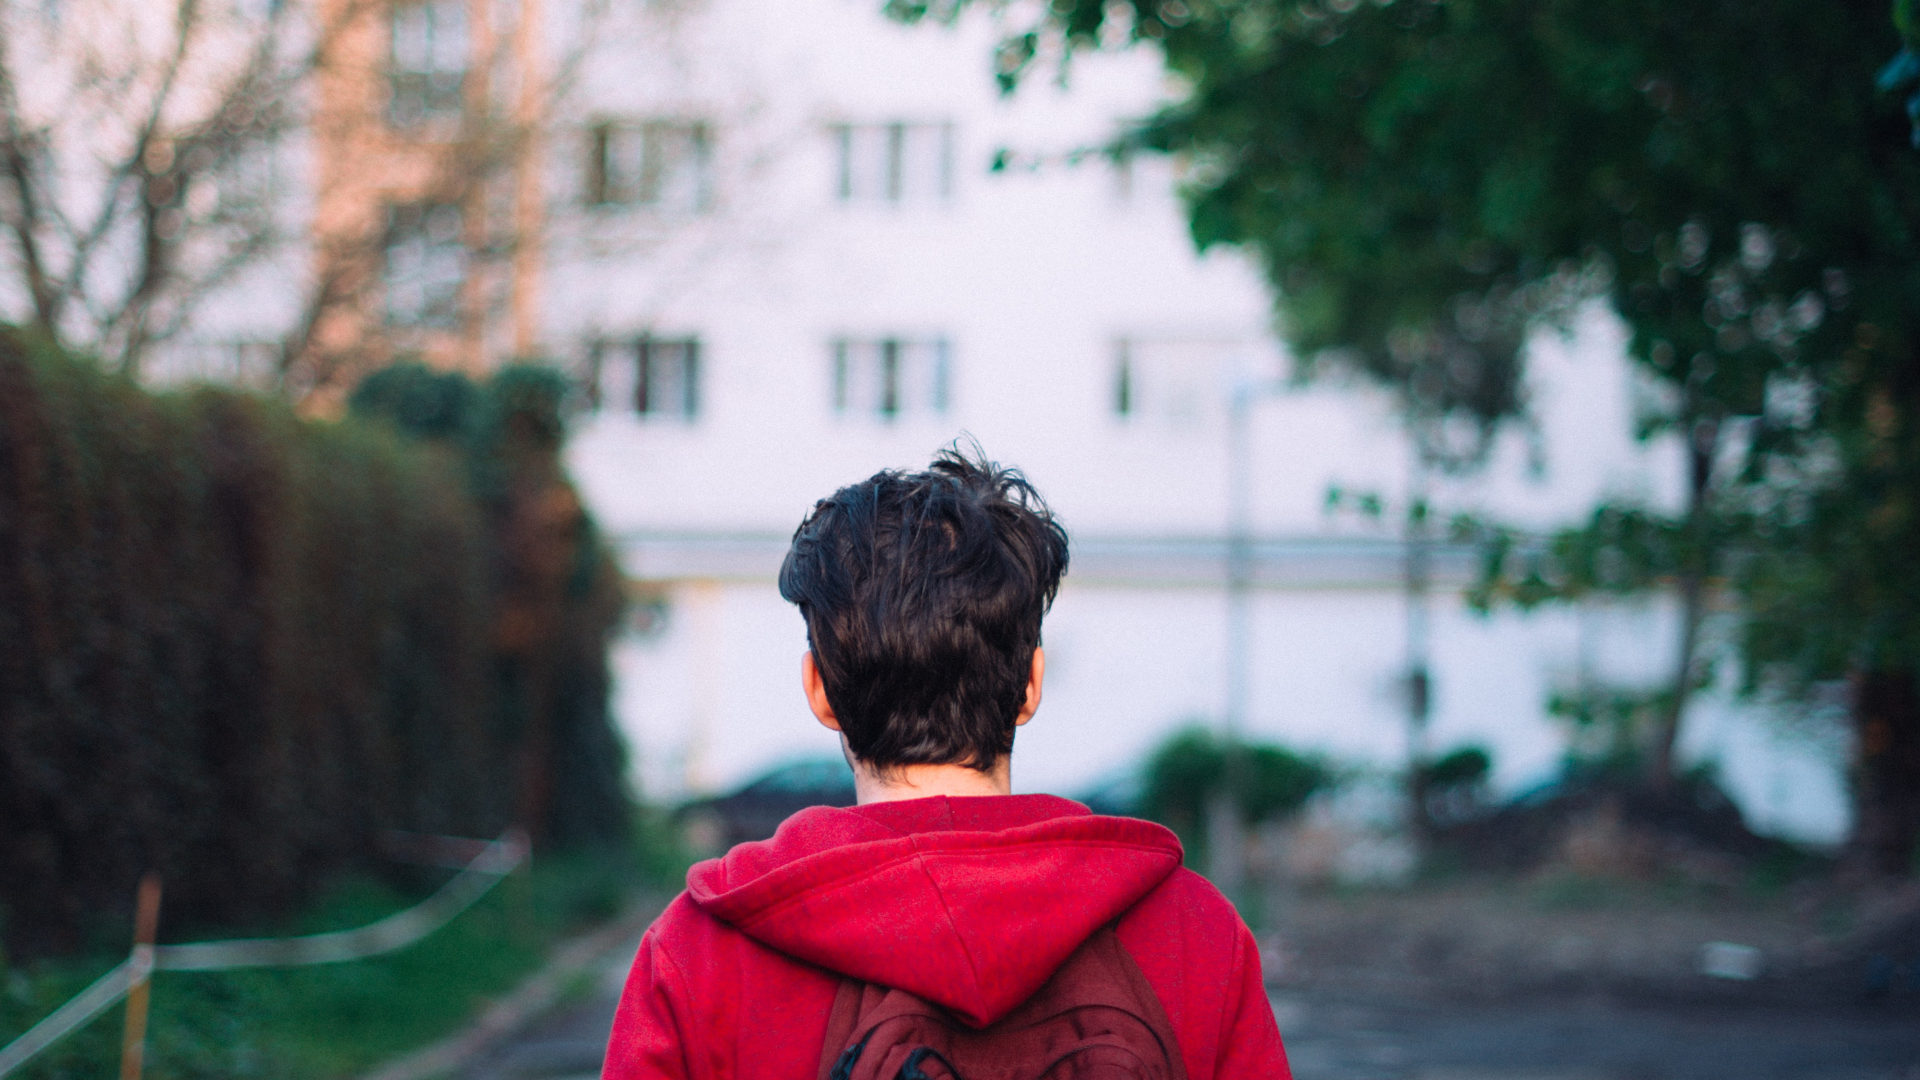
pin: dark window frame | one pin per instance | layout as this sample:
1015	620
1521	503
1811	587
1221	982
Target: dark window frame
893	379
422	95
664	146
649	351
444	308
894	136
656	393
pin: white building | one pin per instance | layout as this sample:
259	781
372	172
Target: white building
778	256
788	264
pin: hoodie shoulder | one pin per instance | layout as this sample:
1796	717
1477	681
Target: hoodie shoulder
700	995
1203	964
972	918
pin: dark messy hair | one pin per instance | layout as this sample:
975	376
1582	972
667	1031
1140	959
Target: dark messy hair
923	594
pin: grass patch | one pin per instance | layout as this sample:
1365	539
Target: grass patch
335	1020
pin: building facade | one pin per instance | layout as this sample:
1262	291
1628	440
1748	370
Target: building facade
783	246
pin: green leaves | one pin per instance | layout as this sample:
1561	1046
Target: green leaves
1622	549
1429	183
1267	781
1903	71
1463	768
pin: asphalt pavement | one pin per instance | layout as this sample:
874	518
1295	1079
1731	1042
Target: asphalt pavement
1342	1037
568	1042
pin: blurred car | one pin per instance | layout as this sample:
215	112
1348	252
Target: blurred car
755	810
1119	794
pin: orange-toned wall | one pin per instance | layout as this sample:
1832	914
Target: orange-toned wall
483	161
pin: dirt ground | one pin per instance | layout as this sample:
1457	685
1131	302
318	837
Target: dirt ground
1380	1037
1563	977
1546	977
1494	938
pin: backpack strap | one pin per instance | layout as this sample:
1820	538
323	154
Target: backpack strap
1152	1010
848	1003
1118	981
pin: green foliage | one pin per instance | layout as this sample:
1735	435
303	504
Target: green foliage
1654	152
1193	765
240	645
1427	182
529	402
1453	787
1609	729
559	595
420	401
1620	551
1465	767
328	1020
1903	71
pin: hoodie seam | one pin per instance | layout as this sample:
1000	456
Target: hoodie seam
973	968
1143	835
676	977
837	883
1229	1000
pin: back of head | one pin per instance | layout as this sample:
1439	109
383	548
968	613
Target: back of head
923	594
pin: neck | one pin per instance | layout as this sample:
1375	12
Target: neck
925	781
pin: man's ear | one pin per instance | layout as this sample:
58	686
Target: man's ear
816	690
1035	676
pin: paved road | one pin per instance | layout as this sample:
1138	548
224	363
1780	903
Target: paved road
568	1043
1338	1038
1333	1037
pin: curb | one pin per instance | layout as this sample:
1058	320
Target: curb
524	1004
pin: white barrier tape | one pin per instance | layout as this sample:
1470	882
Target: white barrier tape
140	965
426	849
87	1004
396	931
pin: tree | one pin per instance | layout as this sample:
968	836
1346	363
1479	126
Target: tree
152	157
556	593
132	171
1425	181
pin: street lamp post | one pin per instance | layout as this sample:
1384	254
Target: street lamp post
1419	688
1226	829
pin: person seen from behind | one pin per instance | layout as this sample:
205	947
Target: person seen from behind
943	927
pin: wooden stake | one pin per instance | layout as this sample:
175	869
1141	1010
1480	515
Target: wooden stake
520	883
146	921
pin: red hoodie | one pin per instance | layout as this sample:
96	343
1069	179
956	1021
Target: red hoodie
968	902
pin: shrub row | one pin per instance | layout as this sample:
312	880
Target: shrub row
236	645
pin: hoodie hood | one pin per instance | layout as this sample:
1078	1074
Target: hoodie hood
970	903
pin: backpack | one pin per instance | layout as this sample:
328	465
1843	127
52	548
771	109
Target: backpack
1096	1018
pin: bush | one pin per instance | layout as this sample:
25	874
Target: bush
326	1021
558	593
239	645
1453	786
1188	769
1463	767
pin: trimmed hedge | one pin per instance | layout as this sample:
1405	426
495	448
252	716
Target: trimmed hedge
236	646
1191	766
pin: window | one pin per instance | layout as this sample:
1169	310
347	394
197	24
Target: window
428	66
889	377
426	265
659	163
1169	382
652	376
893	163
